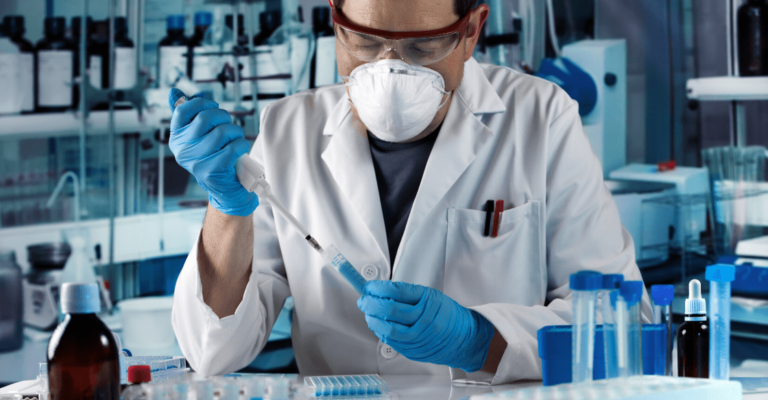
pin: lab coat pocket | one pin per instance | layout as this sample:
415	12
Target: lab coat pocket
506	269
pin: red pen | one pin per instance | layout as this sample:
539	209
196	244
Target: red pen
497	216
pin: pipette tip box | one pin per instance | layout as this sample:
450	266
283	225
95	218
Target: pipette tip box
555	352
339	386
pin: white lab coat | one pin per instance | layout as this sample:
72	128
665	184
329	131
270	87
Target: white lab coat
506	136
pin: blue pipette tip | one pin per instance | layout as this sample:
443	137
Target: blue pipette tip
662	295
721	273
586	280
612	281
631	291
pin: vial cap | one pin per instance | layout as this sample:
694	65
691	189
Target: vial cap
174	21
203	18
228	21
612	281
586	280
662	295
321	16
631	291
139	374
695	304
13	25
721	273
80	298
55	26
270	20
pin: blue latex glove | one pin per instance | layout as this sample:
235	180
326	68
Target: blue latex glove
425	325
207	144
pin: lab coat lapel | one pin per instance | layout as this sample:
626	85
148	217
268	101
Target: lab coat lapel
348	156
461	137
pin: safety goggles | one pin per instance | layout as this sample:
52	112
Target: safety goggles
415	47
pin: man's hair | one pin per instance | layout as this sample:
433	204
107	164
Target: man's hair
460	7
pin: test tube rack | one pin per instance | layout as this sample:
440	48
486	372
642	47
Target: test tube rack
634	388
348	386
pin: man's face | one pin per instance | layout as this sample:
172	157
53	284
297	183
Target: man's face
413	15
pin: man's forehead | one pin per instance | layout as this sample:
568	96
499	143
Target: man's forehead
400	15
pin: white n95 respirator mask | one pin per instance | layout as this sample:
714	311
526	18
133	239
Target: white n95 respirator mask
395	100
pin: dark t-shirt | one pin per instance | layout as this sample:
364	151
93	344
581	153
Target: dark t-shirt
399	168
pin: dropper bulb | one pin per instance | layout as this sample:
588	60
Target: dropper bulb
694	289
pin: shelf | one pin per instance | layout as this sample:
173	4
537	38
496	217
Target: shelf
728	88
68	123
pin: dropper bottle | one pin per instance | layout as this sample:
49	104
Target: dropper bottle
693	336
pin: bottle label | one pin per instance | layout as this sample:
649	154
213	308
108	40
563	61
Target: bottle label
272	60
172	65
325	61
203	67
94	71
10	75
301	62
54	78
125	67
28	81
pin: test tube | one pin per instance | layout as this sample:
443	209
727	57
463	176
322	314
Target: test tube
631	293
720	277
662	296
335	258
585	285
611	284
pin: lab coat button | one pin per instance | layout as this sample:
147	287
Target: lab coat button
388	352
370	272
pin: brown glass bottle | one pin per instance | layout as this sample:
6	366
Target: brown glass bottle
693	336
693	348
82	355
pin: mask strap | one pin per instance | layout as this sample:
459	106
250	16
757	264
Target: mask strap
443	92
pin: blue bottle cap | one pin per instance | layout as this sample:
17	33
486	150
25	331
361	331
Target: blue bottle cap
632	291
721	273
203	18
174	21
662	295
612	281
586	280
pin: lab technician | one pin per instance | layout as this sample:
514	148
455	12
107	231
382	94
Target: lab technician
395	168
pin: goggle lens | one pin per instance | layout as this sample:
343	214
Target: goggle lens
416	51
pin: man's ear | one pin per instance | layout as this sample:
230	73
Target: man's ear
476	21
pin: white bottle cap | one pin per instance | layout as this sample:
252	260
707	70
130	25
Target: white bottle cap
694	304
80	298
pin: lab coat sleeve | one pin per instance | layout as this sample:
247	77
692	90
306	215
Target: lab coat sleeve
213	345
583	231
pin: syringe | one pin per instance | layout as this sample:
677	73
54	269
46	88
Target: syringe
252	177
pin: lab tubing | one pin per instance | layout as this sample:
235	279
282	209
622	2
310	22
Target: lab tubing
609	333
335	258
583	339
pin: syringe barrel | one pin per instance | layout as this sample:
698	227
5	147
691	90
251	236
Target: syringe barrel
334	257
720	329
583	335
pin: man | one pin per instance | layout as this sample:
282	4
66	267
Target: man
394	169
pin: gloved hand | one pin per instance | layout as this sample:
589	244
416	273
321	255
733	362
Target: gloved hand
207	144
425	325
